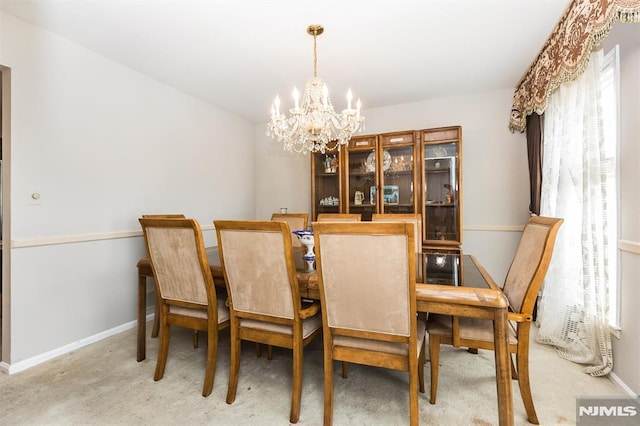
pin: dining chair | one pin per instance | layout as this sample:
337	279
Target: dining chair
339	217
296	221
185	287
264	297
163	216
367	283
522	284
415	219
156	323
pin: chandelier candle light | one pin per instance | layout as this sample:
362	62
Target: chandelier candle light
313	124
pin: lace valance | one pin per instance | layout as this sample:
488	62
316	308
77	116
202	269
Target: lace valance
566	52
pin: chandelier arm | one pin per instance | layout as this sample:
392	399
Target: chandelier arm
313	125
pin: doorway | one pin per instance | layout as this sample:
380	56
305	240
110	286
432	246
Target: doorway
1	268
5	135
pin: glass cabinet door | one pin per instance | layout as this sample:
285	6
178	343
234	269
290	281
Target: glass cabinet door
362	177
397	170
325	185
441	198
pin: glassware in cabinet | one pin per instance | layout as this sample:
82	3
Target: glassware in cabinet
442	206
325	183
361	176
398	178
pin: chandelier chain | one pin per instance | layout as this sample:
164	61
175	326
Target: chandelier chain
315	55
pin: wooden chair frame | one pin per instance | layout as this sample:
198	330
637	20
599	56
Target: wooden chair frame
156	323
413	360
339	217
293	218
522	317
209	322
415	218
295	340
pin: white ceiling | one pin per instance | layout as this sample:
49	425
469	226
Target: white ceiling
238	54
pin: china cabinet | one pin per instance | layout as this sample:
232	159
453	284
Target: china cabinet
326	184
441	182
361	177
380	174
399	172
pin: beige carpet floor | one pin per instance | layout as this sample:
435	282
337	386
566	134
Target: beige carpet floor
102	384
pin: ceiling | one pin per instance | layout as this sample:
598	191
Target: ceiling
238	54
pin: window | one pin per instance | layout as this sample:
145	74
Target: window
610	91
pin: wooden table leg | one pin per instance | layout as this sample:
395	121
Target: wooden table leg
503	368
156	320
142	317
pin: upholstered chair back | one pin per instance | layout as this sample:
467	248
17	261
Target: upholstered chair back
339	217
414	219
530	263
376	298
173	251
296	221
259	272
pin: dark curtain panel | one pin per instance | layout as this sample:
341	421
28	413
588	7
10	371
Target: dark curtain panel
535	135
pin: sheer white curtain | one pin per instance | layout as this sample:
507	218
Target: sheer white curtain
573	311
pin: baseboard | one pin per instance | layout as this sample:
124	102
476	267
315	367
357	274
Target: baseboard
47	356
622	385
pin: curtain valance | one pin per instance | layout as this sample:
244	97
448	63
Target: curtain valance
565	54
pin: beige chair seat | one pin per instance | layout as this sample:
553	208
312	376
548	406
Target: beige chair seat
521	287
381	346
223	311
309	326
469	328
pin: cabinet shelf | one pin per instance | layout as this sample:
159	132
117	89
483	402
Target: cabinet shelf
398	173
371	174
385	204
423	172
441	160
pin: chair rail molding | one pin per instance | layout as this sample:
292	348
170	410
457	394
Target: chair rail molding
494	228
629	246
82	238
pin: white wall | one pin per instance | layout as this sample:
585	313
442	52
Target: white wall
494	169
102	144
283	179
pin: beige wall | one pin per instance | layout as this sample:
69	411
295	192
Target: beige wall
102	144
494	169
627	347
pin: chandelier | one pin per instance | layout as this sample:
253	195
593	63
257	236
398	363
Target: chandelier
313	125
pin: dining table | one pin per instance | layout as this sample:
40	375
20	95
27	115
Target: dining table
446	283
